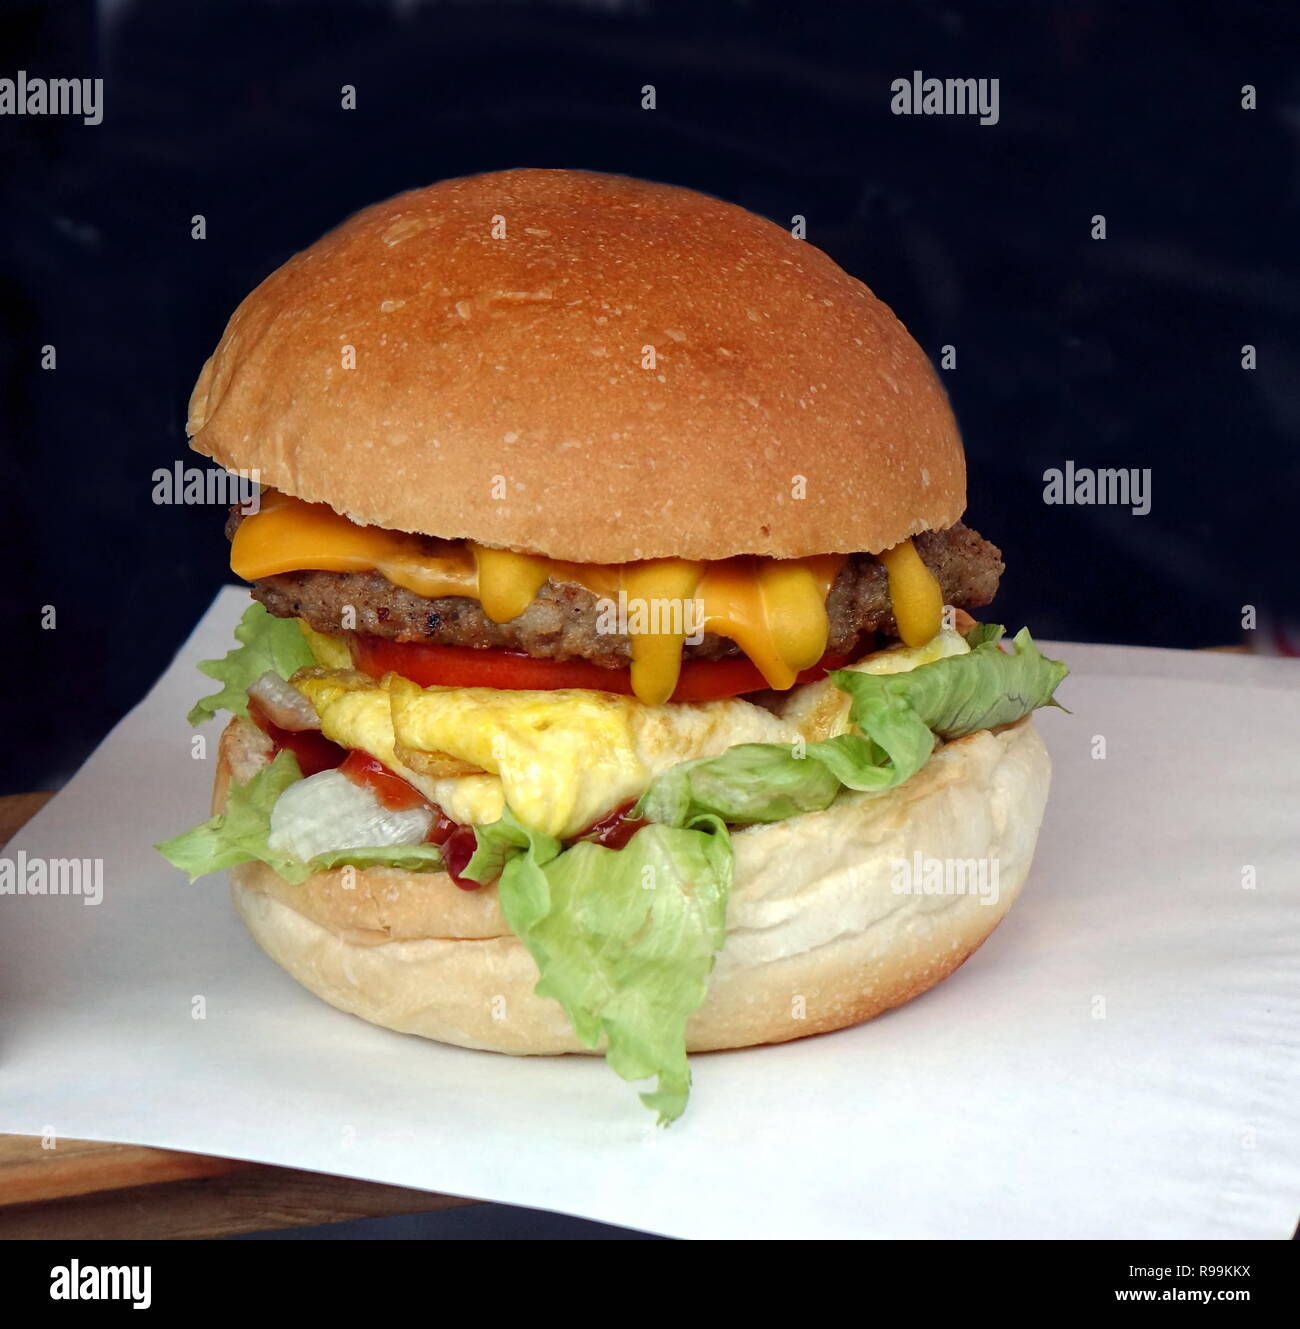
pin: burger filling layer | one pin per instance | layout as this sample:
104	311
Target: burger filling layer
785	615
437	706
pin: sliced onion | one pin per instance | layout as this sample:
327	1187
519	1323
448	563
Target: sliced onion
328	812
283	703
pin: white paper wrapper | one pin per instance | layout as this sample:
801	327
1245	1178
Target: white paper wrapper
1119	1060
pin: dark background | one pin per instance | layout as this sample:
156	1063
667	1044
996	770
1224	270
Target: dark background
1123	352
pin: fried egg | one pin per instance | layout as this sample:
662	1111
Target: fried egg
560	760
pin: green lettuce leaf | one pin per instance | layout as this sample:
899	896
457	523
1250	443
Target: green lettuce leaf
983	633
753	782
407	857
240	832
267	642
623	939
900	717
961	694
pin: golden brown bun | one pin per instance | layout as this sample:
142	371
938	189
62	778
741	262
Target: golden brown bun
817	939
499	393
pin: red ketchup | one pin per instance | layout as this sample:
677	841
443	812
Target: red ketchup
458	845
457	842
614	830
391	790
314	751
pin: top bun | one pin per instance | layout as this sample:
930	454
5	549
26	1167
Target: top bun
505	390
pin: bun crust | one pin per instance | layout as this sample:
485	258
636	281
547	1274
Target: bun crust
499	326
817	938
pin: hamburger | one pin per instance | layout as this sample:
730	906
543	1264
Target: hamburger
610	682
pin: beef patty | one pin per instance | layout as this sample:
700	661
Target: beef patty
561	622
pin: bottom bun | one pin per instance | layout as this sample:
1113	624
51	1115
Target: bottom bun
820	932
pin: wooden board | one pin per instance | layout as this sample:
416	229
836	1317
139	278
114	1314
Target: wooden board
84	1191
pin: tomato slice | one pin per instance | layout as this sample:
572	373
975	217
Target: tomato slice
391	790
314	751
468	667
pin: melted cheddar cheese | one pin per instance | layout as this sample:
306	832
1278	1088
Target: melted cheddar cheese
773	609
914	593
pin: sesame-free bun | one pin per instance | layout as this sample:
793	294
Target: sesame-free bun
817	937
588	367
